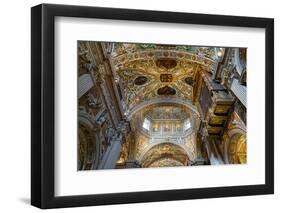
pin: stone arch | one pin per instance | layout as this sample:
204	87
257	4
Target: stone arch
89	143
159	100
195	118
160	151
236	142
159	54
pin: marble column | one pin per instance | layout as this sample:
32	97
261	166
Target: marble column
214	156
111	155
240	91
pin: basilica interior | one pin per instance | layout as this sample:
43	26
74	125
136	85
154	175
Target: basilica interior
160	105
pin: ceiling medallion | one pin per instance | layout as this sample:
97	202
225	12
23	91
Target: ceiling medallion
166	90
167	63
166	78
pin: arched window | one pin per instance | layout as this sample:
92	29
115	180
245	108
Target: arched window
146	124
186	125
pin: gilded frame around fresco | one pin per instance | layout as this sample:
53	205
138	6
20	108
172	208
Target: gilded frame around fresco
43	111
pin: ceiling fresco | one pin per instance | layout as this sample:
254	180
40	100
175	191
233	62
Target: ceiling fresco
166	112
151	70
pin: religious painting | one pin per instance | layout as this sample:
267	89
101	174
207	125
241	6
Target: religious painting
141	80
166	63
166	90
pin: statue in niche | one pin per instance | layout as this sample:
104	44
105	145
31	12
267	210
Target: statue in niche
109	134
102	118
93	101
122	127
85	63
91	66
83	55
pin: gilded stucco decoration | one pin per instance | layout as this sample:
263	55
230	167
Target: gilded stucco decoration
237	150
168	70
164	151
167	126
166	162
156	105
235	141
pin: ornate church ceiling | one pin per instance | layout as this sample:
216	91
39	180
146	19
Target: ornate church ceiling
165	112
166	126
149	70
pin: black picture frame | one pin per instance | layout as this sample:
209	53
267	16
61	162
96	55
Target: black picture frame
43	102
